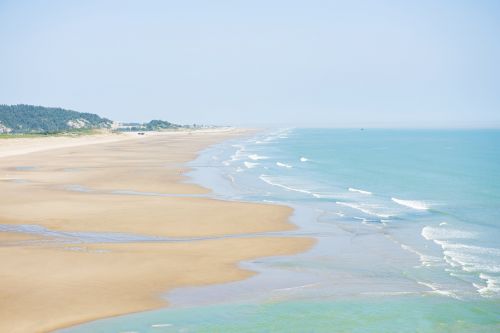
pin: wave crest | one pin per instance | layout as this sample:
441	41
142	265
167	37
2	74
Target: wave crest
283	165
250	165
359	191
362	208
256	157
418	205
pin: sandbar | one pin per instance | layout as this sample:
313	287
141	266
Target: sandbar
46	284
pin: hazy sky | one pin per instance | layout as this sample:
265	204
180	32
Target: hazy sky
314	63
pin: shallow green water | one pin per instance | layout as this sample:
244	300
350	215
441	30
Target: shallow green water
396	314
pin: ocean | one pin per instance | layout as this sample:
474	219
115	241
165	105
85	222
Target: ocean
407	224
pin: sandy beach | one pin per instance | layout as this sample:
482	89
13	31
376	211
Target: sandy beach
118	184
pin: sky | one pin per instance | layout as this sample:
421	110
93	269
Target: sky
257	63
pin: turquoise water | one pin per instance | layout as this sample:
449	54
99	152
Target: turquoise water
426	315
407	224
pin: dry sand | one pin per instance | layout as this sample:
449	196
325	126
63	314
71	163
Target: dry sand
46	285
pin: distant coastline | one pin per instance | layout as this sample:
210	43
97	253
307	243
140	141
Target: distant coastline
24	120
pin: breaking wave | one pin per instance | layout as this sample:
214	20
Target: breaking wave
359	191
283	165
418	205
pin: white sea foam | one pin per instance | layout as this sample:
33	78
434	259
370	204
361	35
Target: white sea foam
269	201
269	181
492	286
475	249
297	287
303	159
451	262
425	260
436	289
280	134
365	221
473	263
418	205
324	196
161	325
283	165
256	157
359	191
237	154
250	165
470	258
471	255
362	208
433	233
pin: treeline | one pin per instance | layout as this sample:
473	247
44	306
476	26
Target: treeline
153	125
24	118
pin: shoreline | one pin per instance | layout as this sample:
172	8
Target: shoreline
152	163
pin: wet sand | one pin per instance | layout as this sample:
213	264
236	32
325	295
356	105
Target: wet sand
46	284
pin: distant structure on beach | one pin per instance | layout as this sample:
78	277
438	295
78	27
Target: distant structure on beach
154	125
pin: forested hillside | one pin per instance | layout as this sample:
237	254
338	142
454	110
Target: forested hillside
38	119
153	125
